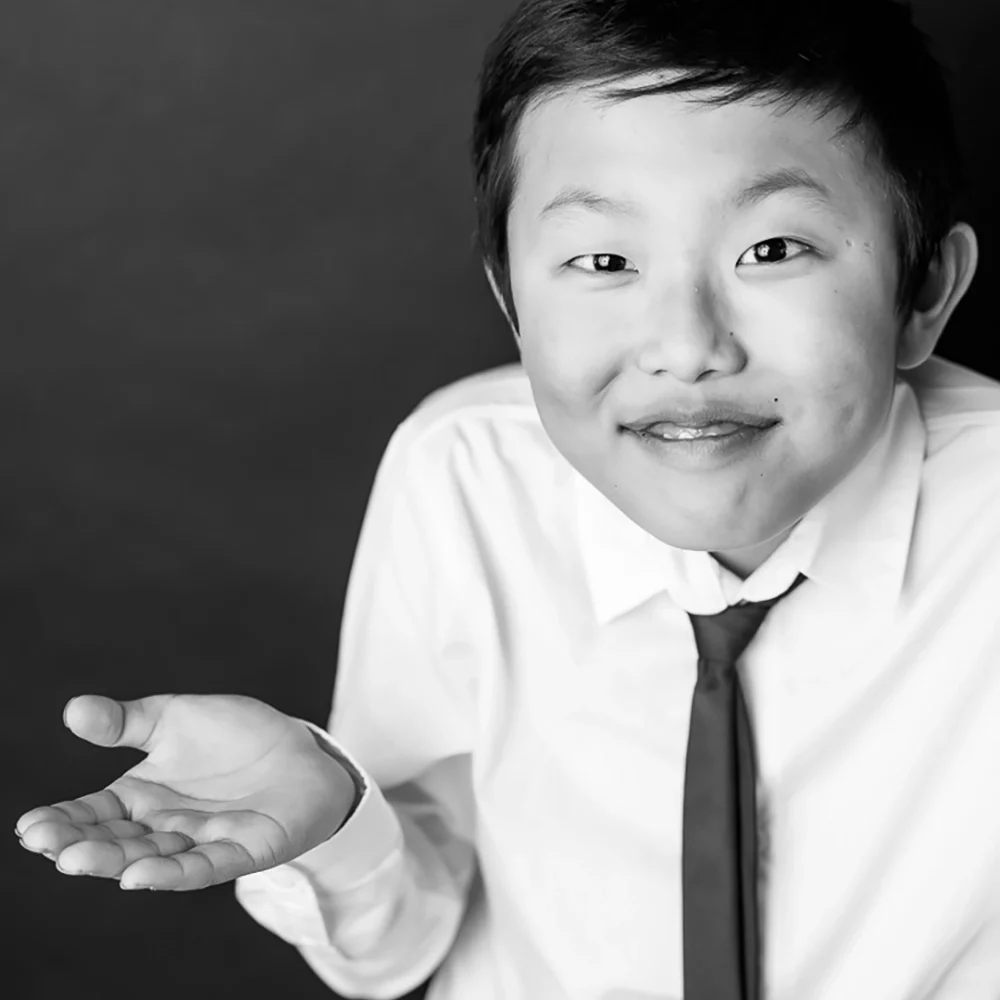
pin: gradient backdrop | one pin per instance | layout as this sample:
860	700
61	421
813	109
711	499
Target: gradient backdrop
237	249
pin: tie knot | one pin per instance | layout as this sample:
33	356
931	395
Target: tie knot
724	637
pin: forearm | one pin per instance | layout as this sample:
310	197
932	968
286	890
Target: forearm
375	908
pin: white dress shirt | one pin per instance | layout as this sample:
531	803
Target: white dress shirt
514	686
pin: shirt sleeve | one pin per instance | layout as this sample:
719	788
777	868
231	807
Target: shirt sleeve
375	908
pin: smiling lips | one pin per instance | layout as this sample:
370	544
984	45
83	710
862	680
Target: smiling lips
677	432
707	420
701	441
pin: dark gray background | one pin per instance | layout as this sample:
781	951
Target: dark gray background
236	251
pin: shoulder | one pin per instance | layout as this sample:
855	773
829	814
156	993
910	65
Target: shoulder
496	403
499	396
961	412
960	484
952	396
471	489
480	430
956	543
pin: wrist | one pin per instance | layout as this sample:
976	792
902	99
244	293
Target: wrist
358	779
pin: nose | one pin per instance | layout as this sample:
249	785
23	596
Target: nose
686	333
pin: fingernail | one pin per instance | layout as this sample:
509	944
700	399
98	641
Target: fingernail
67	872
121	885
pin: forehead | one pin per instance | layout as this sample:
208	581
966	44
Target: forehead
670	146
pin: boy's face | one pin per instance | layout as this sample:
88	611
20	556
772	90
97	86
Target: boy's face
714	283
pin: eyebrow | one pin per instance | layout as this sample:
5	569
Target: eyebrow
580	198
792	180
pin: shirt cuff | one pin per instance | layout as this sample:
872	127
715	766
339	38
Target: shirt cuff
366	839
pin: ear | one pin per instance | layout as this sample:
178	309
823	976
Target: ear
498	295
948	279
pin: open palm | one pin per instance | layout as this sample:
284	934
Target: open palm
229	786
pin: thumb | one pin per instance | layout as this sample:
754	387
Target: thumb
110	723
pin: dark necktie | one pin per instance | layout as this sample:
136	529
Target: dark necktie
721	950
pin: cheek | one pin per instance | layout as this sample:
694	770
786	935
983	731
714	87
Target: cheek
841	367
566	357
845	401
865	365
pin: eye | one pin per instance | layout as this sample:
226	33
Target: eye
774	251
602	263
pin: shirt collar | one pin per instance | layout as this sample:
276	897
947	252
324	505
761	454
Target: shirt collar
856	539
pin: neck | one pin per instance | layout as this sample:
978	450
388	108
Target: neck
744	561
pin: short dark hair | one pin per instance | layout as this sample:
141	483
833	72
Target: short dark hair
863	58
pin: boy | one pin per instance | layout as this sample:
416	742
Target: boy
724	237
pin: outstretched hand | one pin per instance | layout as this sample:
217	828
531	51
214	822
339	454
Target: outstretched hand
229	786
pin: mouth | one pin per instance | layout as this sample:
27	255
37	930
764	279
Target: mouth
700	448
712	418
668	431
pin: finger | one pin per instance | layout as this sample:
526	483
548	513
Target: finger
39	828
98	807
204	865
111	723
54	837
109	858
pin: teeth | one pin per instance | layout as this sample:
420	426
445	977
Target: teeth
672	432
